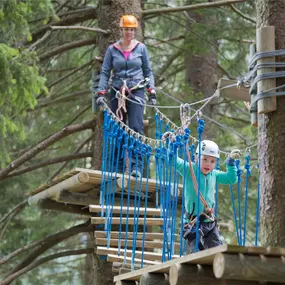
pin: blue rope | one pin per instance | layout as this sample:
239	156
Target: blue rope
110	166
130	154
164	208
109	207
235	216
182	244
217	191
157	167
257	208
239	173
148	155
118	145
157	134
192	149
124	150
200	130
104	160
248	173
177	145
137	152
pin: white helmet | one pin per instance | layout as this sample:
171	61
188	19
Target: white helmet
209	148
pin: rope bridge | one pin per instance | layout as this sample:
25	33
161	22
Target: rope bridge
145	227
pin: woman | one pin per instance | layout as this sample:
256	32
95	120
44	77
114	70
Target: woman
129	61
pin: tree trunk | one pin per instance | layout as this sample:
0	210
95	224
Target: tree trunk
109	14
272	139
202	67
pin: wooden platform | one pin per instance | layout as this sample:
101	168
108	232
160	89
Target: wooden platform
80	180
217	257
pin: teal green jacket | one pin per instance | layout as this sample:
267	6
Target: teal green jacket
207	184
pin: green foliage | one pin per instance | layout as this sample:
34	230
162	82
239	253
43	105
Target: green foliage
19	84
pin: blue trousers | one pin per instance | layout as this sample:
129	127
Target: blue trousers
134	119
209	236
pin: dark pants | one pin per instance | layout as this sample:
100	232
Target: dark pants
134	119
209	236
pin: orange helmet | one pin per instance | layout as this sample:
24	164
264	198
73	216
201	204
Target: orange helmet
128	21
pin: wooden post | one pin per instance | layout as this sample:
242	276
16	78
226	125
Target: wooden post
153	279
181	274
65	196
48	204
253	109
265	41
250	268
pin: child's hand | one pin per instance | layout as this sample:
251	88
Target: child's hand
235	154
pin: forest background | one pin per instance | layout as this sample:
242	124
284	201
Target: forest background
49	51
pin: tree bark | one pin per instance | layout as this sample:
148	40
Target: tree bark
202	68
109	14
271	139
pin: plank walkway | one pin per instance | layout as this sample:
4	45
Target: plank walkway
207	257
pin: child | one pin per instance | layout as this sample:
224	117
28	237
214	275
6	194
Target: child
209	177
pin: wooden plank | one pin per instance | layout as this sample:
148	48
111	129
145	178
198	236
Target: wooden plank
148	255
139	221
139	235
139	243
180	274
65	196
125	210
233	93
202	257
116	258
49	204
250	268
265	41
154	279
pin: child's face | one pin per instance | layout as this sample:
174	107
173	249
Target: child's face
208	163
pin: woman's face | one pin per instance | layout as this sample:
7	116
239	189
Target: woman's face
128	33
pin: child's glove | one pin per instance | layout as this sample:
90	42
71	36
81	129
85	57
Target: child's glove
235	154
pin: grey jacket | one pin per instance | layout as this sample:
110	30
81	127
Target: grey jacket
135	69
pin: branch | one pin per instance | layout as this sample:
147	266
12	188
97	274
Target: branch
91	62
20	206
191	7
13	214
76	151
159	42
42	39
43	260
169	62
66	47
96	30
48	242
224	71
50	162
77	17
235	119
44	144
241	14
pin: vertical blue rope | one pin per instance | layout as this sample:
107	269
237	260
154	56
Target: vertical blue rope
109	208
104	160
217	191
130	153
200	130
248	173
182	243
235	216
257	208
192	149
124	150
110	166
148	155
239	173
